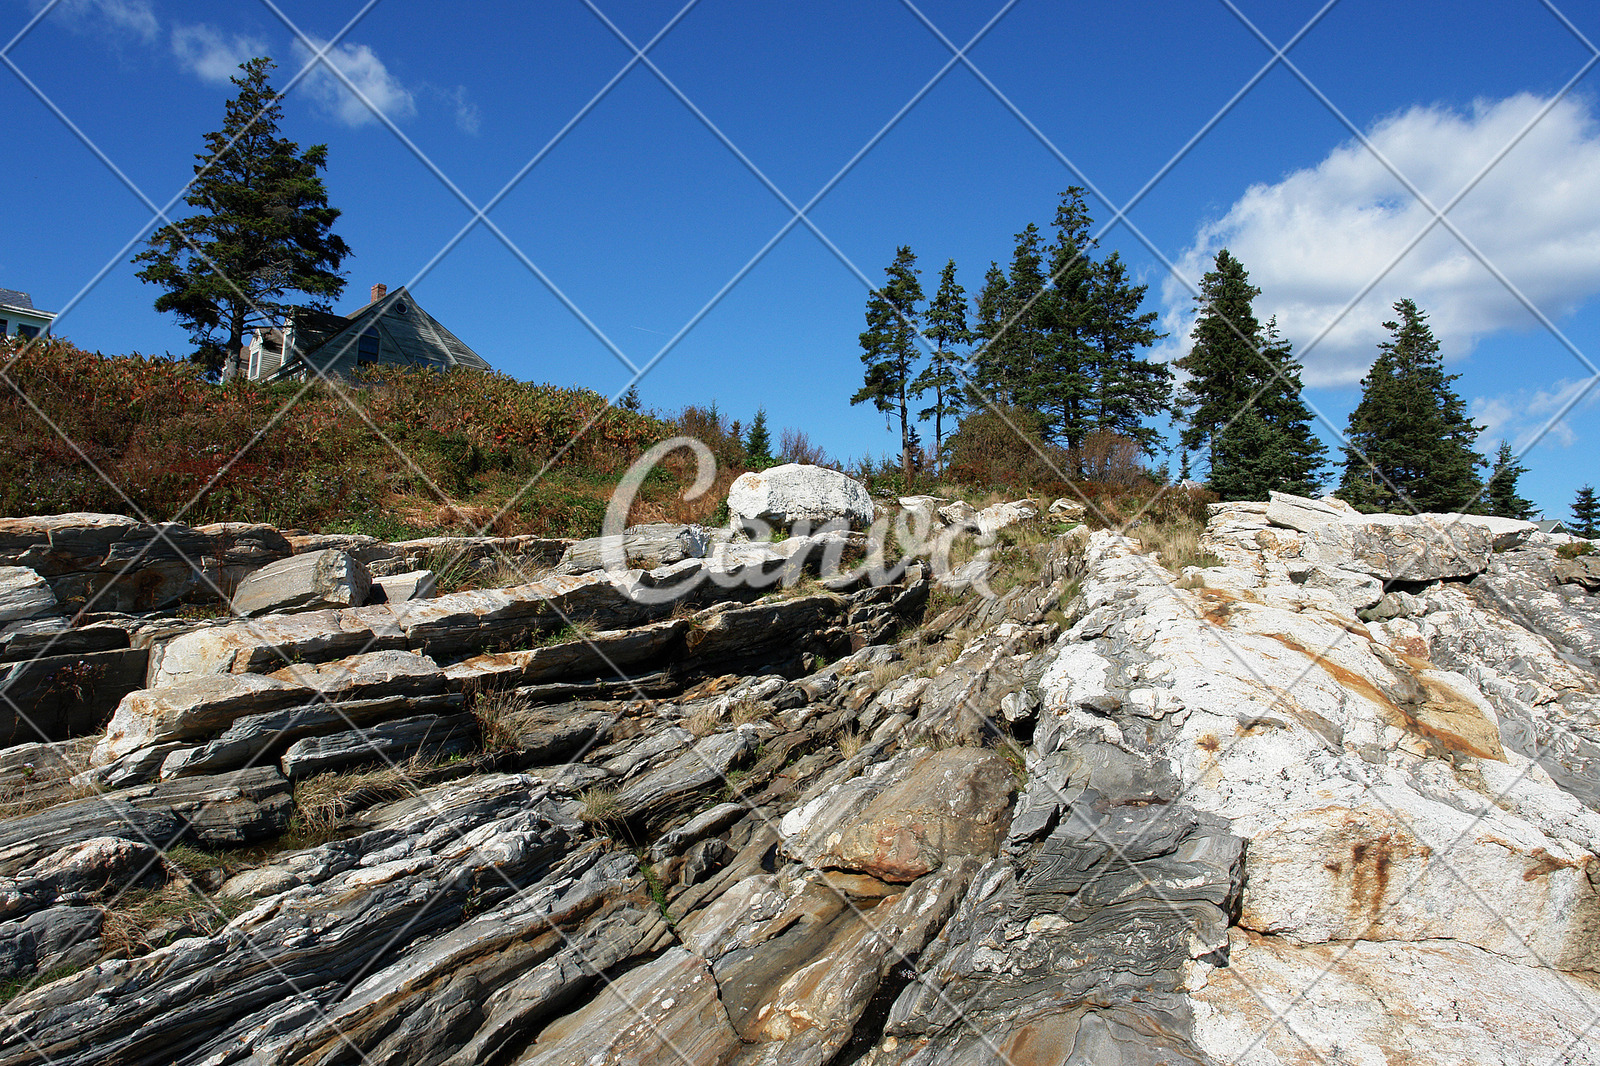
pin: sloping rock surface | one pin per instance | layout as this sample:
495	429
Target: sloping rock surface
1303	805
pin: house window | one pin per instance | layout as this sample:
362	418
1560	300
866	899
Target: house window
255	363
367	348
3	325
27	331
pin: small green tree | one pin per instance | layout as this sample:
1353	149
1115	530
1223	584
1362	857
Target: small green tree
759	442
1586	513
263	228
1501	489
945	325
889	349
1410	439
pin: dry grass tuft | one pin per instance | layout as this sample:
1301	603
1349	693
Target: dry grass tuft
747	711
145	919
599	805
495	710
323	802
705	720
850	742
1176	544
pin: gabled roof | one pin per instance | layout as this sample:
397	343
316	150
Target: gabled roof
13	298
406	328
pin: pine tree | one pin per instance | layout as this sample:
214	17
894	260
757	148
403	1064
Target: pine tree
1127	388
945	326
1184	473
1586	514
264	228
1244	388
1011	313
759	443
1222	363
1501	489
889	349
1062	386
1410	440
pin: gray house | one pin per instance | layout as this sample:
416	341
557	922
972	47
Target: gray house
19	318
390	330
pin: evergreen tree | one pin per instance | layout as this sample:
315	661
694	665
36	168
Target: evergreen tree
1502	487
1127	388
946	327
759	443
1222	363
889	349
1061	386
1243	395
1184	473
1410	440
264	228
1586	514
1011	315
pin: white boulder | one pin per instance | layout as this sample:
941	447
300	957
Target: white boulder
785	495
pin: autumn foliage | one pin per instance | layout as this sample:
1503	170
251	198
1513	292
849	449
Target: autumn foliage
400	451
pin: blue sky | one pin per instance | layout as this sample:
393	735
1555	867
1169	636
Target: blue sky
640	215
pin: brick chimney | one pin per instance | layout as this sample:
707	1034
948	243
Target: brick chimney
378	291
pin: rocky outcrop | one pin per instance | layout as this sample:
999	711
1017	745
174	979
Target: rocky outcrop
1116	814
781	496
307	582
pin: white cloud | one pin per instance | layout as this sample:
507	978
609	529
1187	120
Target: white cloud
468	118
119	19
214	56
1523	415
1314	239
367	73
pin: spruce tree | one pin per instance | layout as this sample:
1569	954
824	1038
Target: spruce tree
1222	363
1127	388
1502	487
1062	384
759	443
1586	514
263	228
1244	389
889	349
1410	439
1011	314
945	327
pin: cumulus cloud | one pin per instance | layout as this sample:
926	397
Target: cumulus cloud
1523	415
120	19
210	54
1314	239
367	73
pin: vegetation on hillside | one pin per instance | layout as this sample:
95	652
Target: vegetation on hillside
402	452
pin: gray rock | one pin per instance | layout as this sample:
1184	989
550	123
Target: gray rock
644	547
54	636
1358	591
667	1012
397	588
1583	570
782	496
62	696
388	742
223	811
308	582
23	594
60	936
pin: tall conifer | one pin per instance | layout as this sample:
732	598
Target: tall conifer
1410	439
946	329
889	349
